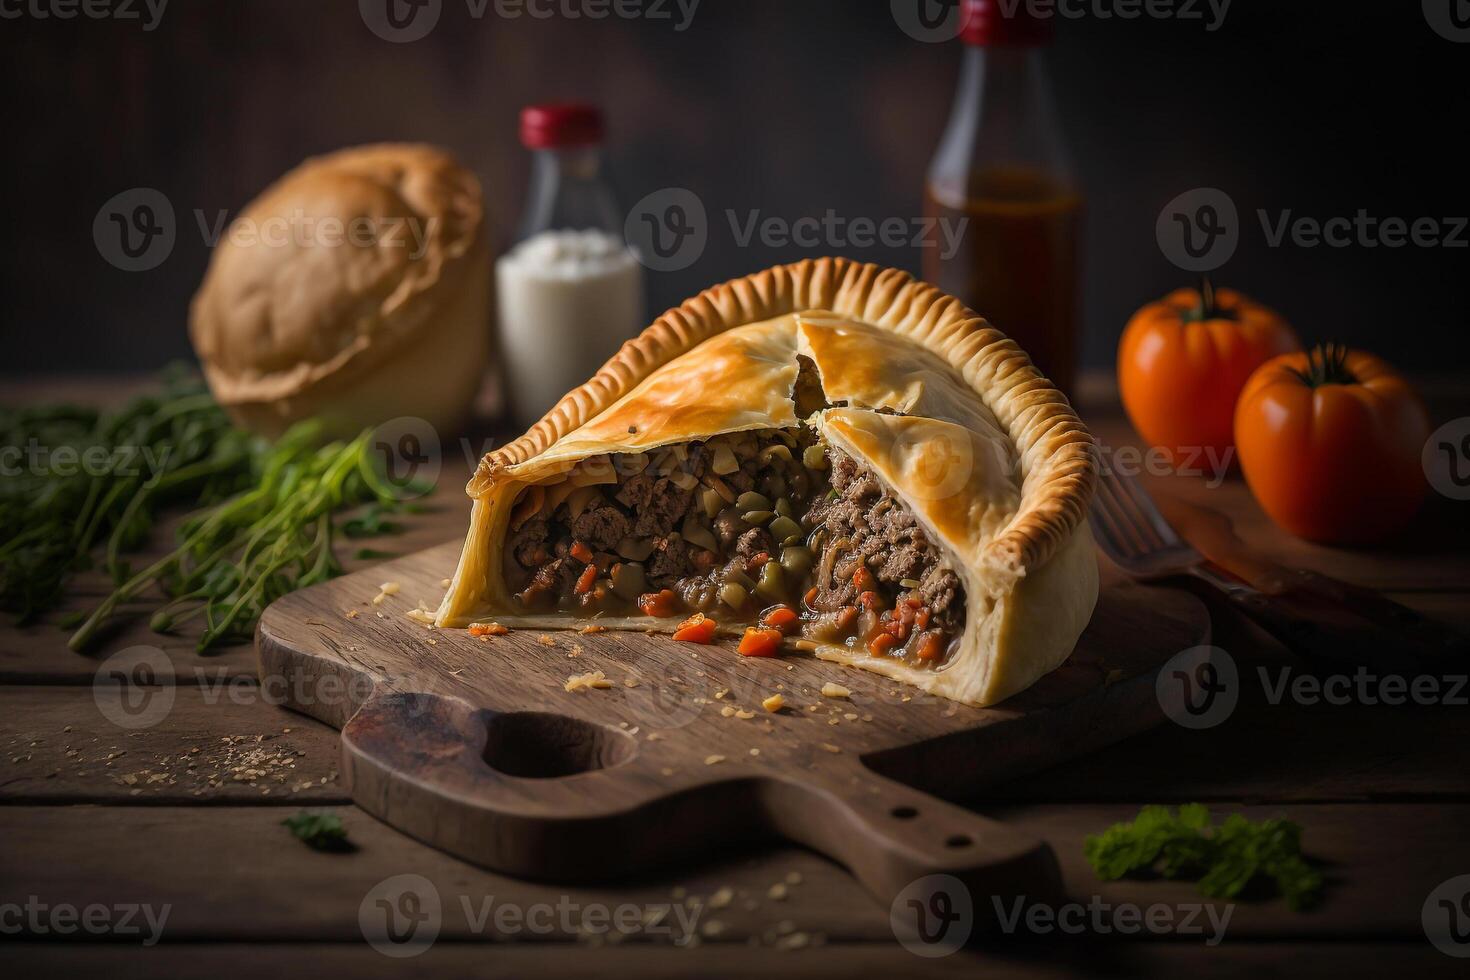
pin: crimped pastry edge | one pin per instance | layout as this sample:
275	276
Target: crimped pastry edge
1057	462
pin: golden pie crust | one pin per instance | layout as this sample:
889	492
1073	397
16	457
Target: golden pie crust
949	413
362	295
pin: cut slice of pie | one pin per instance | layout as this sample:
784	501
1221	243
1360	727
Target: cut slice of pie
830	455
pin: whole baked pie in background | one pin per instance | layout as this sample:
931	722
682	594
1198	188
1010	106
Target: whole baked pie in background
829	454
353	290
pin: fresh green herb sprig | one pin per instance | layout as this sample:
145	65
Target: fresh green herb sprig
76	482
319	831
1224	860
276	536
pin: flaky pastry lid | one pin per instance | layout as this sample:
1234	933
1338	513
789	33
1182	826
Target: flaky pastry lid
987	385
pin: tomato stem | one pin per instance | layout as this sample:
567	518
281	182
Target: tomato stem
1326	365
1207	308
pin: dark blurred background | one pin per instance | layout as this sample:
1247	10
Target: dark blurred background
1323	108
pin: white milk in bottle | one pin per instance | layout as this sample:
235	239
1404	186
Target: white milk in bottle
570	291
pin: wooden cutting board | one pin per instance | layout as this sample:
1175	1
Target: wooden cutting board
474	745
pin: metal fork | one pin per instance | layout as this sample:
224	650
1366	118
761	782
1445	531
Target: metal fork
1136	537
1329	623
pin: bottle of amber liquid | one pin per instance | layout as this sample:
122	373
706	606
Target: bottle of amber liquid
1002	168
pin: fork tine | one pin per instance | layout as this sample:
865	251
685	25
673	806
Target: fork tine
1168	537
1136	530
1113	524
1102	520
1138	526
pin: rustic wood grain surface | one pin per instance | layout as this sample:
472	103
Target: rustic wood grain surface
678	736
185	814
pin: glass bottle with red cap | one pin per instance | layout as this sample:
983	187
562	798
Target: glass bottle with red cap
570	291
1002	168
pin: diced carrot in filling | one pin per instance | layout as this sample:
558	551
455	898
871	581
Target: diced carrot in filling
881	644
770	529
760	641
780	617
930	647
698	628
660	605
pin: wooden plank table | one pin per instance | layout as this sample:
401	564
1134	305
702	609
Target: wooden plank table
185	816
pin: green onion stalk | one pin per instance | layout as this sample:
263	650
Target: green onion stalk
235	558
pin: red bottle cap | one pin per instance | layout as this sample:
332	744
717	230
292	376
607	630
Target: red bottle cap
1004	22
560	124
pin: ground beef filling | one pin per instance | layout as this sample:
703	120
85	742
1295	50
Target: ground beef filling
867	528
764	528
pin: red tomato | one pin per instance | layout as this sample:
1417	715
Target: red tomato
1330	445
1183	360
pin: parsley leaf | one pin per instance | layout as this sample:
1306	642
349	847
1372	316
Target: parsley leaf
1224	860
319	831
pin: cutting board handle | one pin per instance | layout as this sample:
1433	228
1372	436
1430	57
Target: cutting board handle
891	836
422	762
